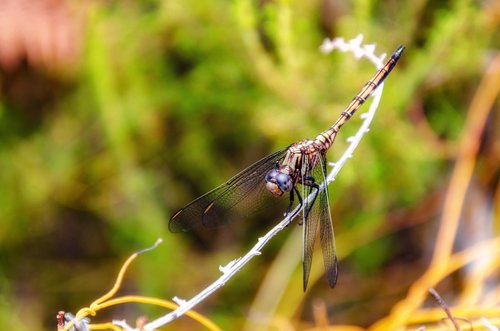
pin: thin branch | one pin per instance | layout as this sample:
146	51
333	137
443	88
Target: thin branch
432	276
354	46
445	307
80	321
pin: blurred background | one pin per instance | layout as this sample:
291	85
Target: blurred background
114	114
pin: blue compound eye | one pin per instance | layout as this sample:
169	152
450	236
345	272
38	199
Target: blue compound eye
271	175
284	182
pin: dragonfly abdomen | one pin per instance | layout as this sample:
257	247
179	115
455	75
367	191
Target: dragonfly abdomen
327	137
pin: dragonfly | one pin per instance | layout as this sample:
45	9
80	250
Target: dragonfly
296	172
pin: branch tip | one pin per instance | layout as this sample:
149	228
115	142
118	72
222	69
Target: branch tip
156	244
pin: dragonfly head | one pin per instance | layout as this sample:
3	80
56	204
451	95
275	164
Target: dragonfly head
278	182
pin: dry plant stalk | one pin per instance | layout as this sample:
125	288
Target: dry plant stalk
80	322
443	261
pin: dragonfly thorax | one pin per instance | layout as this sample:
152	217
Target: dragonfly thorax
278	182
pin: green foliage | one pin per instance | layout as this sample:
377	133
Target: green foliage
170	98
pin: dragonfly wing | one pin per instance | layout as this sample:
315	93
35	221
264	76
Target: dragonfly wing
215	207
319	216
310	226
327	238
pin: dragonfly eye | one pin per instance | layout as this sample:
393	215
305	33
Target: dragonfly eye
278	182
274	182
274	189
284	182
271	175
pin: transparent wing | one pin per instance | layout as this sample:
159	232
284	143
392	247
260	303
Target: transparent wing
319	215
310	225
216	207
326	234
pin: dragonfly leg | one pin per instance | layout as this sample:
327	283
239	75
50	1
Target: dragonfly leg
299	197
316	186
289	208
311	182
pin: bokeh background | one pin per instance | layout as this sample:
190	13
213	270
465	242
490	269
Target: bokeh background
113	114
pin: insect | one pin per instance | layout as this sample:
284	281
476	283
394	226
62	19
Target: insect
302	164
